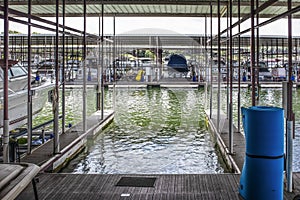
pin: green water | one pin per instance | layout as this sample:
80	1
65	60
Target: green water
155	131
158	130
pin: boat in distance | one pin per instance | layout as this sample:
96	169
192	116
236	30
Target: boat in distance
178	63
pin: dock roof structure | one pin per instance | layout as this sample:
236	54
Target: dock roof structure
137	8
241	10
270	9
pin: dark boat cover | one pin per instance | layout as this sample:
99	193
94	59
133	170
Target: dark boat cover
178	62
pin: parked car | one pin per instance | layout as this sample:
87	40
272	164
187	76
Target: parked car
263	70
279	74
46	67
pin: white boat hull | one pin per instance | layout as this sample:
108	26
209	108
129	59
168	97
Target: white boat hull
17	103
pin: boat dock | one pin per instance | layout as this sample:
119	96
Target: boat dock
134	186
155	186
71	142
165	187
181	84
133	55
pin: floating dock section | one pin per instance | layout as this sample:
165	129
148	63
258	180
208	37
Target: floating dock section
71	143
234	162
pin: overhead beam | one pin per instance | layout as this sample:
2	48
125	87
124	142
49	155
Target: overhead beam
139	2
120	2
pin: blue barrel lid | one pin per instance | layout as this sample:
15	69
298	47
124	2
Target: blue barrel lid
265	108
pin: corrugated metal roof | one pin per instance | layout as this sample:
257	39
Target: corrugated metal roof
149	41
46	8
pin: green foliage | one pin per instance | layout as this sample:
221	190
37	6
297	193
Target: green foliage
149	54
22	140
13	32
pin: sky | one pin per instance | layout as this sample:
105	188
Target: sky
171	25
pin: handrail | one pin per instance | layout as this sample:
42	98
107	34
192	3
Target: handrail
34	128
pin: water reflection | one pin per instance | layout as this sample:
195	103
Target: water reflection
154	131
163	131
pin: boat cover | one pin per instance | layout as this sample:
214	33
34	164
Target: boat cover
178	62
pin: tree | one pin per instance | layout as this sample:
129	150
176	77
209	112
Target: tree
14	32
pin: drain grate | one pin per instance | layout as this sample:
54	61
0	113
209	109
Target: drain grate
136	182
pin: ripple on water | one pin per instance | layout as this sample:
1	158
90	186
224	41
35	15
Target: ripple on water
163	131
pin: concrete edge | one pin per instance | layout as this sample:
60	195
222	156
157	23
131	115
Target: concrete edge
222	147
74	148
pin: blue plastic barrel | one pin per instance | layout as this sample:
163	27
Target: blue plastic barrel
262	174
264	130
262	179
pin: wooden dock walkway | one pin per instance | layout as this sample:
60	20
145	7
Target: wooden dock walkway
72	141
180	82
193	186
166	187
14	178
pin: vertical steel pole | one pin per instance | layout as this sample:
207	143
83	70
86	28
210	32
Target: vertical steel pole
282	51
239	68
227	63
63	69
5	88
205	47
211	60
277	51
252	53
231	76
114	48
98	95
267	47
29	92
219	66
257	54
102	61
84	68
56	143
72	51
114	64
289	134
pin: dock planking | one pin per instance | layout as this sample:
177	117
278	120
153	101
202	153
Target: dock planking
167	187
97	186
44	153
15	178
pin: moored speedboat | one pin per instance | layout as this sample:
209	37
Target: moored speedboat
178	63
17	95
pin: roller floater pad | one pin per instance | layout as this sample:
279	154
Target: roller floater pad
262	174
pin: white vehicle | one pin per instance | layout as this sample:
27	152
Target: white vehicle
18	95
263	71
279	74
